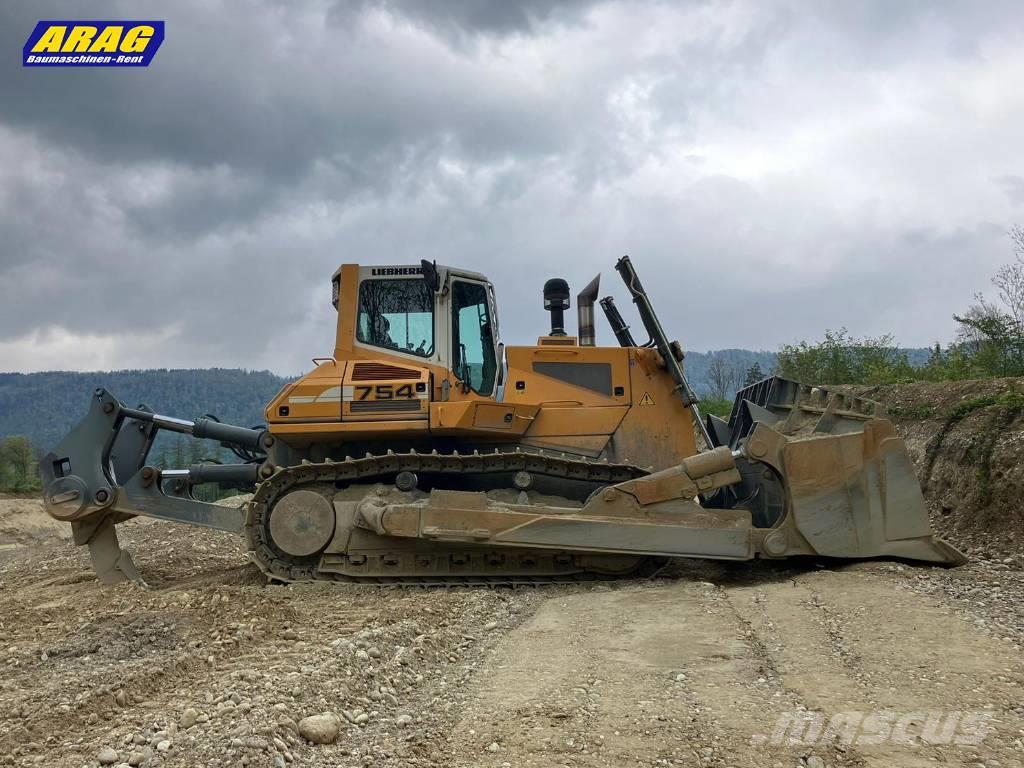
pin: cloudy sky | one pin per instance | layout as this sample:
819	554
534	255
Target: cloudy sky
774	168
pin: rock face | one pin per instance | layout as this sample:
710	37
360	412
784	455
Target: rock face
320	729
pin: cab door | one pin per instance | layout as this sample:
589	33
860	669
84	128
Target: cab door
474	350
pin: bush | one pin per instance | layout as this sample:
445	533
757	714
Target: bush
842	359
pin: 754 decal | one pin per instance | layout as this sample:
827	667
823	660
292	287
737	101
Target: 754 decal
384	392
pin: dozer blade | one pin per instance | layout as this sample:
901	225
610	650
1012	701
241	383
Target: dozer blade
851	489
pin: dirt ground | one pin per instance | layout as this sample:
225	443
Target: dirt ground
212	667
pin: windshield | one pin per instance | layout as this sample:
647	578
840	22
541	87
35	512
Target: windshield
397	314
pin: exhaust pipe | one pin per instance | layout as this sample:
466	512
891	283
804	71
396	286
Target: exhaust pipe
585	312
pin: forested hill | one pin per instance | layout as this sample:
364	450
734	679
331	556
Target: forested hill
44	406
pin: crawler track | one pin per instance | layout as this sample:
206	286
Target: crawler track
434	562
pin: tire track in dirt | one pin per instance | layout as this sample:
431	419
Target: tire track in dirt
688	672
643	674
854	642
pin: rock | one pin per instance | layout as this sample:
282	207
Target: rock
815	762
163	746
188	718
107	756
320	729
361	718
121	698
135	759
373	653
494	747
490	626
403	720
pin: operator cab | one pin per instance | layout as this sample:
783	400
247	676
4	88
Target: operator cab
428	314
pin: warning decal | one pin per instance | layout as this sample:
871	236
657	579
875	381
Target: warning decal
647	399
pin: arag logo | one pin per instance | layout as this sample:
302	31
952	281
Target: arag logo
93	43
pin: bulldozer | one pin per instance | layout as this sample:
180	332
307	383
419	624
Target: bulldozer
425	451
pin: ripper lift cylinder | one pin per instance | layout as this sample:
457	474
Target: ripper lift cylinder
205	428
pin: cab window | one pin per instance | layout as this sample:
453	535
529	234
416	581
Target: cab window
397	315
473	358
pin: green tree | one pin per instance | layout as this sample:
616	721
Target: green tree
18	465
754	374
994	342
990	337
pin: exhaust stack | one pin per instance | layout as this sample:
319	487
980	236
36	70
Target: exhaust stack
585	312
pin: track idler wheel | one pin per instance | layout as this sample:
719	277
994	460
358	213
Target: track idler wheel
302	523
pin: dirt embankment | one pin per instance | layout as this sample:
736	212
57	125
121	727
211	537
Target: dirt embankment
967	440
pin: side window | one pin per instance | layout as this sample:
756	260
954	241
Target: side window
473	358
398	315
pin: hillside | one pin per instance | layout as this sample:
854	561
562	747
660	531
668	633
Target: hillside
44	406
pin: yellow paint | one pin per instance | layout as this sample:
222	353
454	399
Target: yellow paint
51	40
107	41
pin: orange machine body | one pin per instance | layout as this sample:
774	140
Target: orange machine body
415	368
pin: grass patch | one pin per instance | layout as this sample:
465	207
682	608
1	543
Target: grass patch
719	408
919	411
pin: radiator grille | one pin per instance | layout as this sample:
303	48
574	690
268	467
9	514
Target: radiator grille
383	372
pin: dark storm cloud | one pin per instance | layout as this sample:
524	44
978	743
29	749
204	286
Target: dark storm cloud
263	88
192	212
471	16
